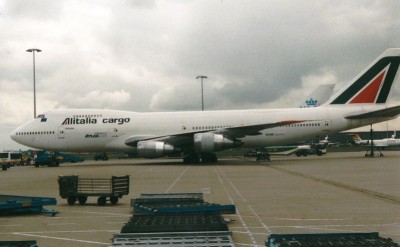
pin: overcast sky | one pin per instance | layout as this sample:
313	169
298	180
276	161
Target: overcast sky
145	55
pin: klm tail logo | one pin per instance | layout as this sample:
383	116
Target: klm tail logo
373	86
311	102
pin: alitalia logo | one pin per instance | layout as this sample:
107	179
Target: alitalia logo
373	86
90	120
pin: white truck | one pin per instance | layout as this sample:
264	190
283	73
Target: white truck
9	159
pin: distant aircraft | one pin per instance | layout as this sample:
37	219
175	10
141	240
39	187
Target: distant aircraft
319	96
265	153
327	143
198	135
379	144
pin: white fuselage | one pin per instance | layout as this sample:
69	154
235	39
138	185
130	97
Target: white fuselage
386	142
83	130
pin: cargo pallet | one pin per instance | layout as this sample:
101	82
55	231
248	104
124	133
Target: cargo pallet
183	208
330	239
176	239
177	203
168	197
13	204
175	223
78	189
175	219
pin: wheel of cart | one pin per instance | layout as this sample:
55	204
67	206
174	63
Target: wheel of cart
71	200
82	199
114	200
102	201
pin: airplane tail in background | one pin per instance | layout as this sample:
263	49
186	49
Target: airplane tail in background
358	141
356	138
319	96
374	84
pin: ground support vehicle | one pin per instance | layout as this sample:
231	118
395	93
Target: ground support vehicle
78	189
101	156
9	159
44	158
4	167
14	204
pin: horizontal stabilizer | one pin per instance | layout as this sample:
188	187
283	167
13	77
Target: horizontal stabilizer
385	113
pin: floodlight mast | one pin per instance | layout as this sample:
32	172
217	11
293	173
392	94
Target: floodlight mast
33	50
202	98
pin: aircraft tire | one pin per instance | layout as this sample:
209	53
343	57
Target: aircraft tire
192	158
208	158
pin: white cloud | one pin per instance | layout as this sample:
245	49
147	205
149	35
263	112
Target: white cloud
97	99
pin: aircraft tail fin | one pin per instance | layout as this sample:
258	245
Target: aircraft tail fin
374	84
358	141
356	138
319	96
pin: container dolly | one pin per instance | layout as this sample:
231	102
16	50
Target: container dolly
78	189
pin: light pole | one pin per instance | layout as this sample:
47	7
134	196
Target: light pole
33	50
202	98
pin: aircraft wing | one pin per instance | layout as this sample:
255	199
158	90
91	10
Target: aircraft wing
251	130
388	112
181	139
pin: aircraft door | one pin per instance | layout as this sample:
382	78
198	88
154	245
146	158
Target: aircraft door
326	126
61	132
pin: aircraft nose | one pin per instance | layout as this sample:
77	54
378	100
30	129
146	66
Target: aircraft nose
13	135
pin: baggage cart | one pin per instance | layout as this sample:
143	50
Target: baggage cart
78	189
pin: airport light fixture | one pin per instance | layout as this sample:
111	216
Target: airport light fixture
202	98
33	50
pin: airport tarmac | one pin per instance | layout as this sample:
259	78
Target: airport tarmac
338	192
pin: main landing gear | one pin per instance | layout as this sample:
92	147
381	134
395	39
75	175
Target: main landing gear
205	158
372	154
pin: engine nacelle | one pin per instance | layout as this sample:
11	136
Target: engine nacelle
210	142
153	149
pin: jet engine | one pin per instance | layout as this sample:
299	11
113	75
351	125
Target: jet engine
210	142
153	149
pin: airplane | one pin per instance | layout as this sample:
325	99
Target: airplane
198	135
379	144
264	153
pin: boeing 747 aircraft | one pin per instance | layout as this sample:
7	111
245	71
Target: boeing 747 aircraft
198	135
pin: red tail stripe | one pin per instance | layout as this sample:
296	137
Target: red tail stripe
368	95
